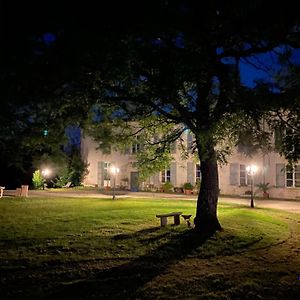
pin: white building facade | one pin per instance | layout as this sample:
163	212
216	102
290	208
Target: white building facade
284	182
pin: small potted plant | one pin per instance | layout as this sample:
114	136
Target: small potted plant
264	187
188	188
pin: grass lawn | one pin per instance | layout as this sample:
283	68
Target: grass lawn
84	248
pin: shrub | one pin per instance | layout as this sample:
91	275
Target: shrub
264	187
167	187
188	186
60	181
37	179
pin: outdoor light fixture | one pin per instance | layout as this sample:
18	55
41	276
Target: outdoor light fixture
114	170
46	172
251	171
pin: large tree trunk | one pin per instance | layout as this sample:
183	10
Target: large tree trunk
206	221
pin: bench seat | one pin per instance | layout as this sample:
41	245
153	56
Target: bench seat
22	191
164	218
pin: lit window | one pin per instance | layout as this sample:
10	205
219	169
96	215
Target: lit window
166	176
293	176
106	173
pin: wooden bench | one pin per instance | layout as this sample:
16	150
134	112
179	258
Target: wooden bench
164	218
22	191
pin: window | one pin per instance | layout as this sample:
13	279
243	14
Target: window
238	175
293	176
106	173
166	176
136	147
198	173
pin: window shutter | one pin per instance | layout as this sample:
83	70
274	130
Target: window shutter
173	173
191	173
234	174
280	175
190	139
156	180
100	179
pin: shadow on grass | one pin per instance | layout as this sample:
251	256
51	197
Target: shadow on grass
137	234
143	235
124	282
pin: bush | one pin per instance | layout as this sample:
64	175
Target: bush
37	179
167	187
60	181
264	187
188	186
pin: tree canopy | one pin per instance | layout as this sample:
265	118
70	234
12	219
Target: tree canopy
177	61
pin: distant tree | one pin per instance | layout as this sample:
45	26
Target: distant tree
77	168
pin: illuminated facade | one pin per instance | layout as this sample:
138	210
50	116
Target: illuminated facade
284	182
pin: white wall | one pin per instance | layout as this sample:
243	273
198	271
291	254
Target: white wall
184	170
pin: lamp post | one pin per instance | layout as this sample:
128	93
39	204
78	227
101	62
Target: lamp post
45	173
114	170
251	170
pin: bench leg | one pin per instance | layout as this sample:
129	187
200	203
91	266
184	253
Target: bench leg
177	220
24	191
163	221
18	192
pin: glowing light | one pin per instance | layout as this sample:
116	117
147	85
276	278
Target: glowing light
46	172
114	170
251	169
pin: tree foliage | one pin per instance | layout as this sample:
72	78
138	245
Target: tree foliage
37	179
181	71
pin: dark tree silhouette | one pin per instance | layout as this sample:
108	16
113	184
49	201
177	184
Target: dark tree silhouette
178	60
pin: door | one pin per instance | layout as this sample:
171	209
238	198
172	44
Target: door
134	185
